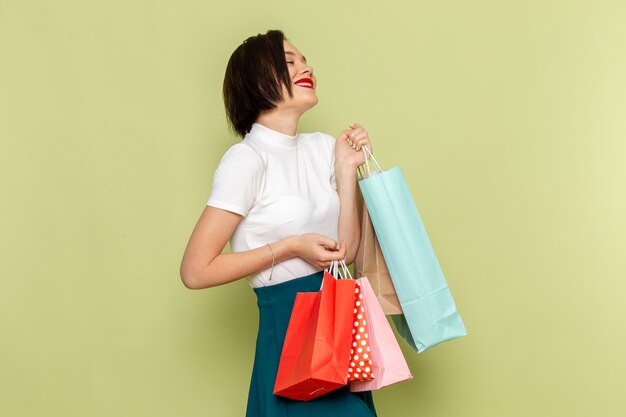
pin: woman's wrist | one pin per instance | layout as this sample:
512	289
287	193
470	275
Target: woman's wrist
286	248
345	173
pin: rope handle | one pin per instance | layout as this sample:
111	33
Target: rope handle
343	273
346	271
368	155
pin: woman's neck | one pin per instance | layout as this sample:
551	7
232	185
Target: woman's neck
280	122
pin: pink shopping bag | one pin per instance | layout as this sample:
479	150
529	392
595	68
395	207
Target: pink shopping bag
389	365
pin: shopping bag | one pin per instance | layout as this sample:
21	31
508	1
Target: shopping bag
389	365
427	304
370	263
361	366
315	355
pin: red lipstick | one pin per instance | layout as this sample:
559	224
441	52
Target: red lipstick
305	83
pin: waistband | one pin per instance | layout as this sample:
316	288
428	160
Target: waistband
285	292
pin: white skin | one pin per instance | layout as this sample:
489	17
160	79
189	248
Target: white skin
204	265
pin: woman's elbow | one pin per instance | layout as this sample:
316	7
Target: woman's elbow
195	280
351	254
188	280
189	277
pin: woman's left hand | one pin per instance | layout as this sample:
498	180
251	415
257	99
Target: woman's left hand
348	147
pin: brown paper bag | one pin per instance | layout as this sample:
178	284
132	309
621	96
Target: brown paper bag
370	263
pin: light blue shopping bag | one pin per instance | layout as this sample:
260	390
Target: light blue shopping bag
430	315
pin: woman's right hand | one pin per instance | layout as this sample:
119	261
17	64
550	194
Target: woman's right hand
318	250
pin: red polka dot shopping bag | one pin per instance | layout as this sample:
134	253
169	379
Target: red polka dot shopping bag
361	366
316	351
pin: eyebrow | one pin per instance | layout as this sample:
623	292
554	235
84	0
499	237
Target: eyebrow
294	54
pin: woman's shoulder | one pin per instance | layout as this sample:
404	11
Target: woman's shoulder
242	152
241	160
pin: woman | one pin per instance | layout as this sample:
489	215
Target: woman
287	203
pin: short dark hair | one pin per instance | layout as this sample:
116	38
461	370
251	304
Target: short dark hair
254	77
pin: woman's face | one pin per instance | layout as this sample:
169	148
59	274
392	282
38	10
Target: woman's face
303	82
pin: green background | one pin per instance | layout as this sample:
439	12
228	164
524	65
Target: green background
507	118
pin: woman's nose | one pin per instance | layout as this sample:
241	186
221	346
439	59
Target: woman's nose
307	69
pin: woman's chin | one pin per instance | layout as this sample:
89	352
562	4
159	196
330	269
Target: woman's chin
312	102
301	104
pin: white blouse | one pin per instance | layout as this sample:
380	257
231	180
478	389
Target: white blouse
283	185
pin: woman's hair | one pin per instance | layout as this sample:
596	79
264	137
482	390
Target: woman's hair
254	77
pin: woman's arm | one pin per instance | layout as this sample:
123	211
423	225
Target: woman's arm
348	156
349	229
203	265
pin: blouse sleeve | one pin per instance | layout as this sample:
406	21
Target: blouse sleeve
237	180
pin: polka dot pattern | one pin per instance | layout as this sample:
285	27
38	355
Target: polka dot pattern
360	368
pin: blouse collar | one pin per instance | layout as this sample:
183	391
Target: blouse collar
273	137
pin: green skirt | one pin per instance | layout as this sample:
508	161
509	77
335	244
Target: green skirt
275	303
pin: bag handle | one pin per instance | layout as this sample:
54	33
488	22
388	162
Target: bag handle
346	271
333	269
368	154
343	273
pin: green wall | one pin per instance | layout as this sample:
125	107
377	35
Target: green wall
507	118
